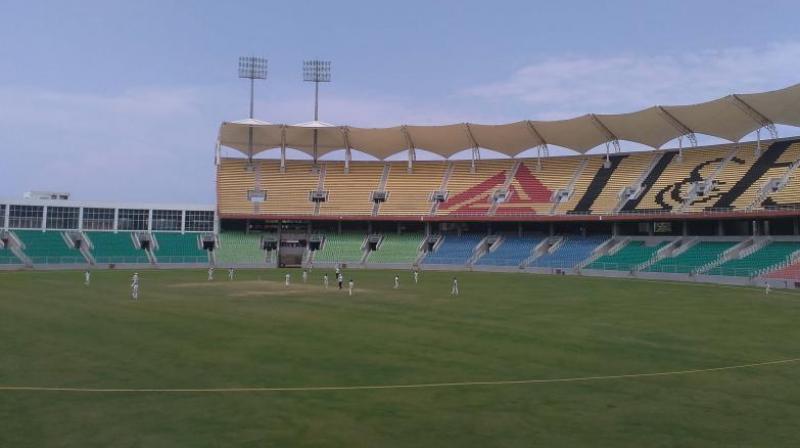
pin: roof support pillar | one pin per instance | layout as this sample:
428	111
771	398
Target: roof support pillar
412	150
541	149
347	154
283	149
476	152
685	130
217	153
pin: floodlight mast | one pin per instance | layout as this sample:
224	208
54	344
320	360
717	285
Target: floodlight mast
316	71
252	68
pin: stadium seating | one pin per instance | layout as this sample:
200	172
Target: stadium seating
110	247
624	172
531	190
454	249
394	248
672	186
48	247
7	257
471	193
233	182
759	261
593	164
350	194
239	248
633	254
341	248
788	272
513	251
772	164
179	248
410	193
695	257
573	250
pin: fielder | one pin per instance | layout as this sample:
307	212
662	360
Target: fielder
350	287
454	289
325	280
210	274
87	278
305	275
135	286
231	273
767	288
396	281
288	279
416	277
340	279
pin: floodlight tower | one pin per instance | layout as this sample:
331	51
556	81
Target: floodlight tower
252	68
316	71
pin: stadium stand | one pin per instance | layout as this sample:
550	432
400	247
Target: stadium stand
629	257
761	260
694	257
341	248
673	185
790	271
572	251
7	257
48	247
410	193
110	247
233	183
350	194
629	169
772	164
471	193
454	249
588	170
512	251
531	190
240	248
596	186
179	248
394	248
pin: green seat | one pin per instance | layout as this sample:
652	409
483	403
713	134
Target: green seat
110	247
696	256
627	258
48	247
179	248
396	248
759	261
240	248
341	248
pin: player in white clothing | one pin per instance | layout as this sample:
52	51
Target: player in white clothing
87	278
210	274
288	279
135	286
767	287
350	287
416	276
231	273
396	281
305	275
454	289
325	280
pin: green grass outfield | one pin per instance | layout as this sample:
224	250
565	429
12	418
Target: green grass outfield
253	332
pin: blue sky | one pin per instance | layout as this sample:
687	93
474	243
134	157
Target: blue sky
122	100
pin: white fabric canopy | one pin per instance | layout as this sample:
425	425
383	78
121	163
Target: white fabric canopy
731	118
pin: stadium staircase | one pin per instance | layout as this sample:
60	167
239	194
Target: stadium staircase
376	205
710	180
51	247
504	188
443	187
320	187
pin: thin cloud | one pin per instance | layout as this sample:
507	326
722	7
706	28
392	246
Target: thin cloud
574	85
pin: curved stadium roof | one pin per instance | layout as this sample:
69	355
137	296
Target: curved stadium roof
730	118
